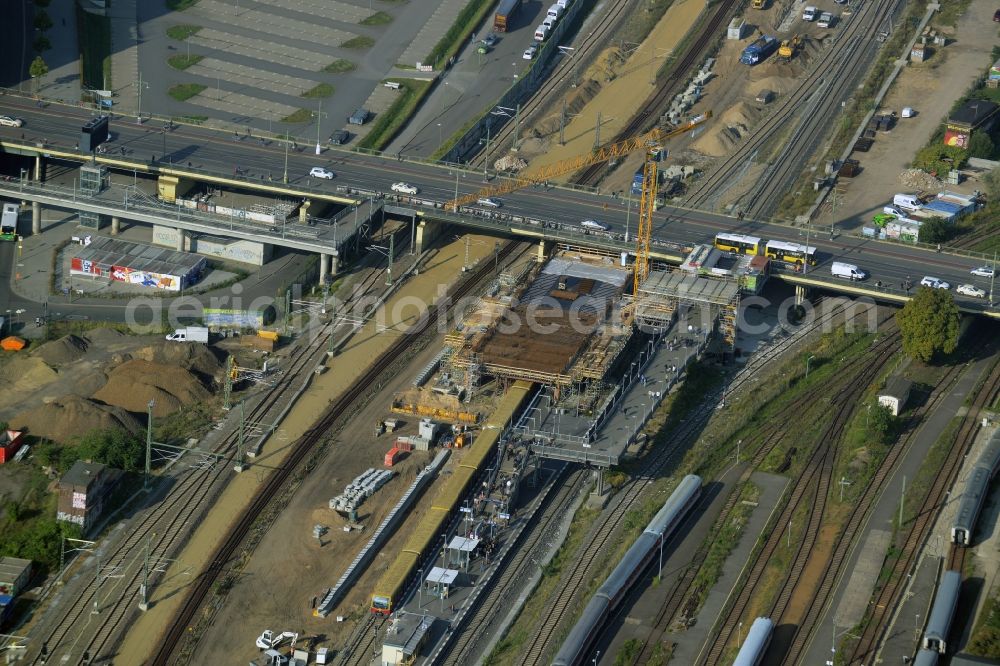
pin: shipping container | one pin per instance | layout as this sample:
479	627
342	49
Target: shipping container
392	456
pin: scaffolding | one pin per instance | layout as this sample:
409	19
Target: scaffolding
664	291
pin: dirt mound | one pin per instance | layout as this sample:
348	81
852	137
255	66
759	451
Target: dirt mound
134	383
66	417
64	350
103	335
726	133
918	179
26	373
196	358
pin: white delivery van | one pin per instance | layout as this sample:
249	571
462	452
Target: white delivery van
809	13
563	4
848	271
549	22
906	201
541	32
555	11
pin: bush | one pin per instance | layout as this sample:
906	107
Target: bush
390	121
466	21
935	230
42	20
114	447
981	146
938	158
42	43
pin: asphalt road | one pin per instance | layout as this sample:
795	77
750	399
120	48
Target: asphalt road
205	149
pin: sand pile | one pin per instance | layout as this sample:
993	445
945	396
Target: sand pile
726	133
64	350
26	373
196	358
104	335
69	416
134	383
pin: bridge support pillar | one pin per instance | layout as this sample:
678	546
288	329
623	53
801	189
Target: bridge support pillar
542	249
36	218
39	169
323	263
116	225
801	292
304	212
427	231
181	237
334	265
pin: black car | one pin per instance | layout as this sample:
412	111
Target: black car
340	137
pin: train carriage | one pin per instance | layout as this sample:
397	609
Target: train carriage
631	566
752	651
942	612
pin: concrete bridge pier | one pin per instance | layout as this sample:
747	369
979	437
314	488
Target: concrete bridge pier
323	263
801	293
542	251
334	264
181	237
116	225
39	169
36	218
427	231
304	212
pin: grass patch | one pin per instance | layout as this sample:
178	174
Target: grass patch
94	35
180	5
300	116
985	640
359	42
390	121
319	90
950	12
185	91
339	66
628	652
182	31
378	18
467	20
194	120
182	62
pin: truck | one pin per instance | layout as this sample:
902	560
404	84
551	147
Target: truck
847	271
759	50
189	334
505	12
8	223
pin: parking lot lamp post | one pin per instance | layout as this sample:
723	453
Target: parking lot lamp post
284	178
319	117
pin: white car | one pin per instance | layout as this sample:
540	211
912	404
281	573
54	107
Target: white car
10	121
404	188
971	290
321	172
982	271
892	210
810	13
529	53
594	224
489	202
934	283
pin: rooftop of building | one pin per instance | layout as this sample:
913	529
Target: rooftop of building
82	473
973	112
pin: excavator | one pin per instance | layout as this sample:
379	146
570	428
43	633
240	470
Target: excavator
789	48
651	142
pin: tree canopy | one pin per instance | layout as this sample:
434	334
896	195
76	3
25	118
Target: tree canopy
929	324
38	68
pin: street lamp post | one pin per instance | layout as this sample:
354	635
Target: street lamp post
808	360
284	178
319	117
440	137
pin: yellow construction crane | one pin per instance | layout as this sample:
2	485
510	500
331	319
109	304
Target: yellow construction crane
652	142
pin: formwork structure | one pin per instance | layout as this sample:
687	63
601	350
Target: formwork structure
555	324
664	291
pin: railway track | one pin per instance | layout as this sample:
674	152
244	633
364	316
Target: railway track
812	484
572	583
832	71
654	106
513	574
597	39
277	480
956	558
856	521
163	528
887	598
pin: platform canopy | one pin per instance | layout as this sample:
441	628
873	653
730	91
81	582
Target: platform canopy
463	544
442	576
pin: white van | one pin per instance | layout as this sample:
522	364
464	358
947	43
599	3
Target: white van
555	11
906	201
549	22
563	4
541	32
809	14
848	271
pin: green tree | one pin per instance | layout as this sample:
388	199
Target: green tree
935	230
929	324
981	145
991	180
42	20
114	447
38	69
882	424
42	43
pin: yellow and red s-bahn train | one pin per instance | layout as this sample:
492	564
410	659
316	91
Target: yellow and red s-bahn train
393	583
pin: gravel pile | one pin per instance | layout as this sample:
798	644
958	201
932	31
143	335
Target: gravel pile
69	416
917	179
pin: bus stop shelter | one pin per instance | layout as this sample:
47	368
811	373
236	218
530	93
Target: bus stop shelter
441	581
